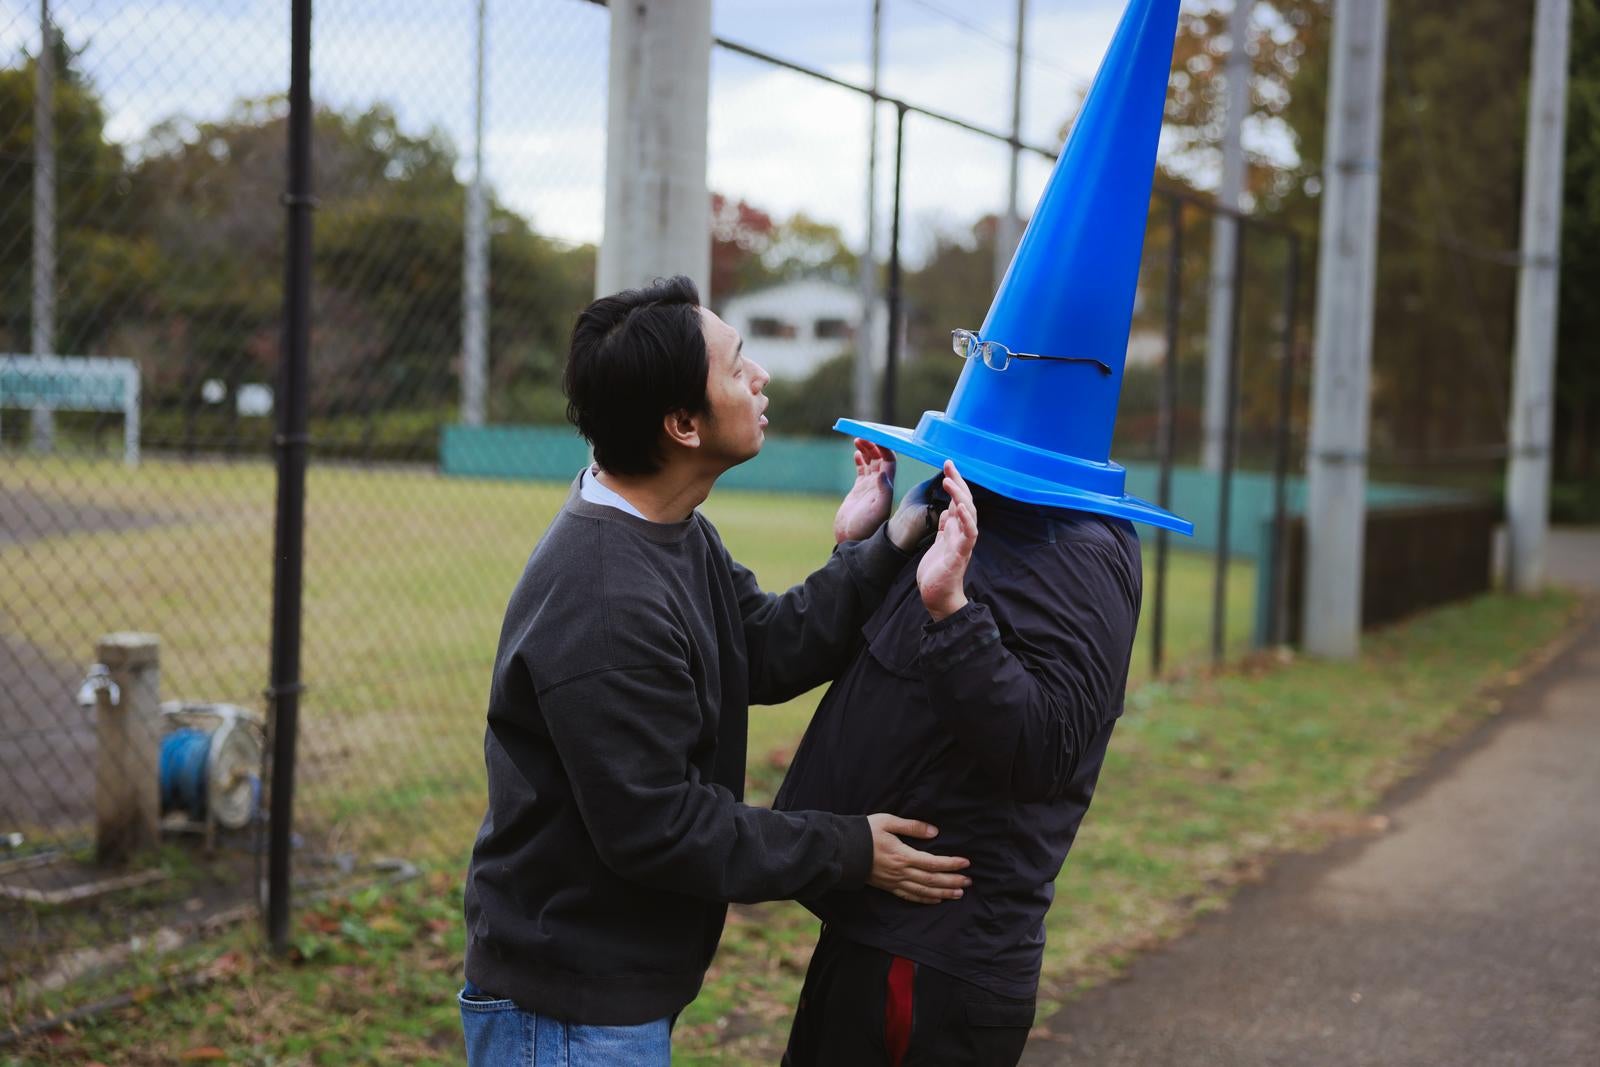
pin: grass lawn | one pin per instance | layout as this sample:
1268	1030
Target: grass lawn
406	576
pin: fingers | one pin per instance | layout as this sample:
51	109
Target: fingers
873	459
967	521
935	865
955	485
958	526
910	874
962	512
929	879
894	824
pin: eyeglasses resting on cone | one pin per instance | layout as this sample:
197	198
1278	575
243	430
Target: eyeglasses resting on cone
997	356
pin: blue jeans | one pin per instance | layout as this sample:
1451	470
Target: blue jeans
498	1032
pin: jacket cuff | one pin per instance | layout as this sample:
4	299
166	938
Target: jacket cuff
947	642
876	560
857	852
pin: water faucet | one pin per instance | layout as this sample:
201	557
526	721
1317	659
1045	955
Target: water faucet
99	681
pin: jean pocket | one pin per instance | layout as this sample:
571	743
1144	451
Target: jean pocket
474	1000
496	1030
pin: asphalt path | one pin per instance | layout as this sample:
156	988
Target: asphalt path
1467	932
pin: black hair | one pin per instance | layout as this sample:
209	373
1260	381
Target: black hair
635	357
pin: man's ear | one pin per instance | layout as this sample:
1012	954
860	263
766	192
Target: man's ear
682	428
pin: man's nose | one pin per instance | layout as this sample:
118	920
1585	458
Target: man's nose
760	377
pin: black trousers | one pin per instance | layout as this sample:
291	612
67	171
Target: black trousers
862	1007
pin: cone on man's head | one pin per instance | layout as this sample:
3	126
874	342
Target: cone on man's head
1033	420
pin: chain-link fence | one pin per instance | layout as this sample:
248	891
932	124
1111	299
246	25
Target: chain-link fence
142	316
168	143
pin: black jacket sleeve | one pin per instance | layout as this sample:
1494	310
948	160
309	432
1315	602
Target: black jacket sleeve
806	636
1026	706
624	736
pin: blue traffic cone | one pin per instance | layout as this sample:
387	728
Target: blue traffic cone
1032	415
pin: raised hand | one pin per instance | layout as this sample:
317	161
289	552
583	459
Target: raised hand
920	877
866	505
943	570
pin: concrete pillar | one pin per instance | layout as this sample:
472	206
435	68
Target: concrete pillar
658	208
1538	287
1347	269
475	262
128	745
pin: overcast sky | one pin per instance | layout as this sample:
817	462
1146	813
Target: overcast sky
785	142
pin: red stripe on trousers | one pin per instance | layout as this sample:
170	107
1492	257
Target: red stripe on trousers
897	1010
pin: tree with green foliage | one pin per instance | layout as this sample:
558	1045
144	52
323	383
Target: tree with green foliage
102	264
1454	120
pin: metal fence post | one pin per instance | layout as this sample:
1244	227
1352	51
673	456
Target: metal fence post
1277	629
288	559
1219	595
1166	425
891	367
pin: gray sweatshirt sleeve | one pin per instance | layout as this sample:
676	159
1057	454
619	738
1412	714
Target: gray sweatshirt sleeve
802	638
624	735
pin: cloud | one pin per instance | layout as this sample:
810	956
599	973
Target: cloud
783	141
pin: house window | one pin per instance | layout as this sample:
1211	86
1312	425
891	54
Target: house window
762	326
834	330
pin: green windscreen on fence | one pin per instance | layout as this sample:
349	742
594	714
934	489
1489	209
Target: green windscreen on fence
823	466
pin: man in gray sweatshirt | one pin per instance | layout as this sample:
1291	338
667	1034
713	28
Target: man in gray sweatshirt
631	650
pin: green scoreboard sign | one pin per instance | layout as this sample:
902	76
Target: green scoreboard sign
75	383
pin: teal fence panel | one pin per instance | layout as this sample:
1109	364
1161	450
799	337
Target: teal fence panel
524	453
556	453
823	466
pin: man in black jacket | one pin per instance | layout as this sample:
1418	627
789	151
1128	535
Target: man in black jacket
631	649
986	711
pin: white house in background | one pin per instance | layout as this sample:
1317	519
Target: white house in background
1147	347
792	328
1147	344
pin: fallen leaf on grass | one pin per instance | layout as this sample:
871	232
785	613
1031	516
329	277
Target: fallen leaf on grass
203	1052
386	924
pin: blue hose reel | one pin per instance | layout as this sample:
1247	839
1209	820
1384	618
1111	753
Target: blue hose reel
211	764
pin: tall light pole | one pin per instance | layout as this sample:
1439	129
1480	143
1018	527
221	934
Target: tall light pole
44	218
1225	238
861	398
475	263
1336	509
1009	231
1538	285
